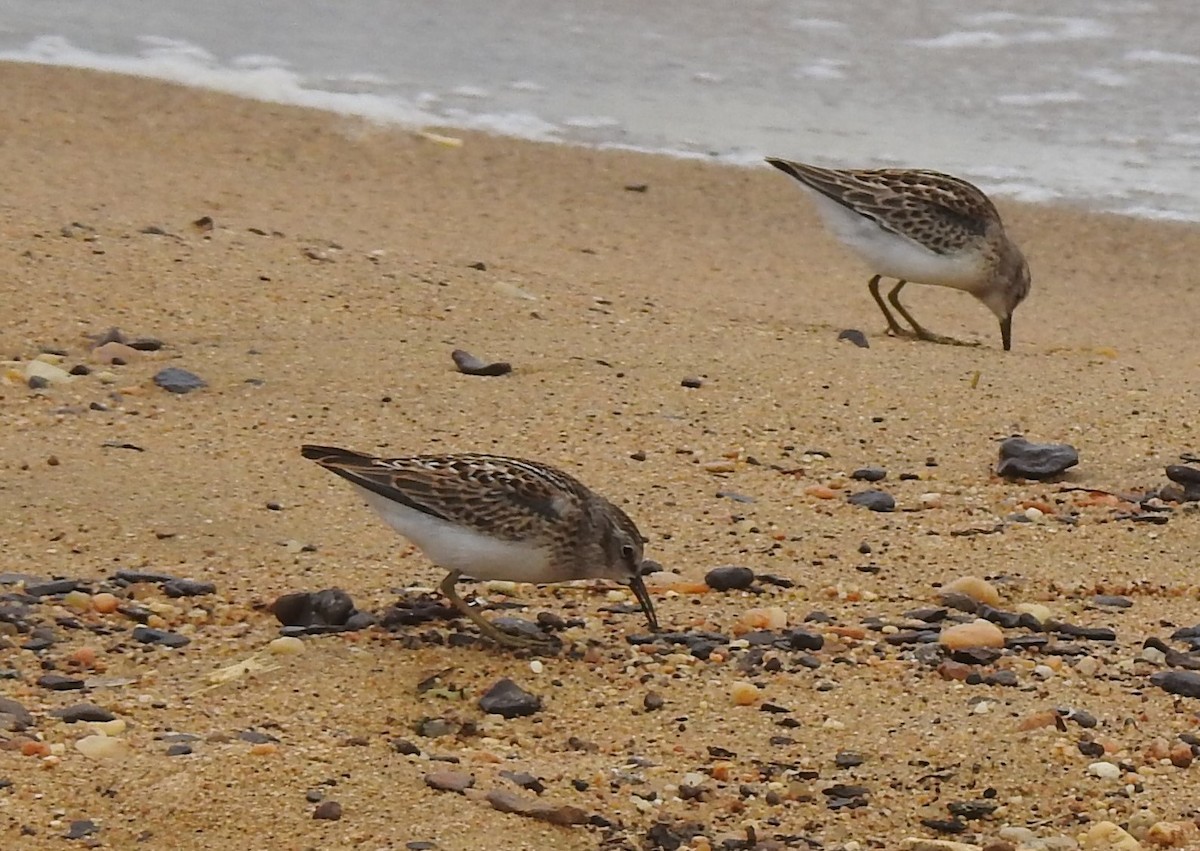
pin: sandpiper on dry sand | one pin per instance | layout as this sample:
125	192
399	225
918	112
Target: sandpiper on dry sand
492	517
920	226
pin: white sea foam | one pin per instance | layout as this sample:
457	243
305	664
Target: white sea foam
1046	30
526	86
1161	57
1040	98
476	92
1104	77
821	69
591	122
816	24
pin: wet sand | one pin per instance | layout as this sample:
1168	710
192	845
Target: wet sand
344	262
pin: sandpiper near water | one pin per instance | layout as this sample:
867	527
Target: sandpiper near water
920	226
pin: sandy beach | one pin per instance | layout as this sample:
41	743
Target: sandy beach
316	271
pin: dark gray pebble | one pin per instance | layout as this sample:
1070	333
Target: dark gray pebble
82	712
51	588
855	336
1111	601
1001	678
729	578
1091	749
80	369
525	780
976	655
691	383
1089	633
468	364
188	588
13	716
875	500
959	601
59	682
1185	683
37	382
1181	474
847	759
80	828
508	700
179	749
1021	459
929	614
971	810
329	607
405	748
1008	620
256	737
132	577
950	826
1081	717
176	380
162	637
519	627
802	639
869	474
653	701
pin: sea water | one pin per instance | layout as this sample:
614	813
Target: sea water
1092	102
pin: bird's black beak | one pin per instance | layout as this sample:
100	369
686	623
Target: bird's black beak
1006	332
643	597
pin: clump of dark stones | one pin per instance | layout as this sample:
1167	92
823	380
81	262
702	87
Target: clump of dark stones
1021	459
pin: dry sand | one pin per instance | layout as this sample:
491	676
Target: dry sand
323	306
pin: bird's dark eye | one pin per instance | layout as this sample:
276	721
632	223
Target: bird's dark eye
627	552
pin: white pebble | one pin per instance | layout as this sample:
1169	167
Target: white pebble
1043	672
101	747
536	666
287	645
931	500
1034	514
1104	770
1153	655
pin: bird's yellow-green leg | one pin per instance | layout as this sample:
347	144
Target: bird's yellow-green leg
485	626
921	332
893	325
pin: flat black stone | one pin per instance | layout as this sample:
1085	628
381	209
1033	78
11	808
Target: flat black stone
508	700
468	364
976	655
802	639
176	380
59	682
1185	683
188	588
162	637
875	500
51	588
855	336
81	828
1181	474
82	712
1020	458
179	749
950	826
1089	633
929	615
21	717
1111	601
971	810
132	577
729	578
1008	620
869	474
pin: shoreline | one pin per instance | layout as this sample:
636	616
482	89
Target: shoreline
342	264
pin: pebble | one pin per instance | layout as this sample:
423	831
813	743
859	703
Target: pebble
80	828
979	590
921	844
188	588
1104	770
329	607
931	499
176	380
82	712
468	364
286	646
560	814
161	637
45	374
13	716
1186	683
1021	459
653	701
768	618
1036	610
729	578
875	500
113	353
508	700
445	780
1181	474
743	693
692	383
101	747
978	633
869	474
1107	836
328	811
59	682
855	336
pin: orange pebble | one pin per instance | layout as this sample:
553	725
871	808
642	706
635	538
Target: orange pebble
264	749
85	656
105	603
820	492
33	748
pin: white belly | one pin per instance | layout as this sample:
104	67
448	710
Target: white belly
455	547
896	256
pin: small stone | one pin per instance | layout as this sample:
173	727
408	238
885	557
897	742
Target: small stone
978	633
1021	459
59	682
82	712
1171	834
468	364
81	828
1037	611
653	701
327	811
162	637
1182	474
405	748
287	645
13	716
764	618
1111	601
1186	683
449	781
101	747
176	380
1104	770
692	383
977	589
51	588
188	588
729	578
855	336
509	700
1107	836
802	639
869	474
113	353
330	607
875	500
560	814
743	693
1181	755
179	749
46	373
